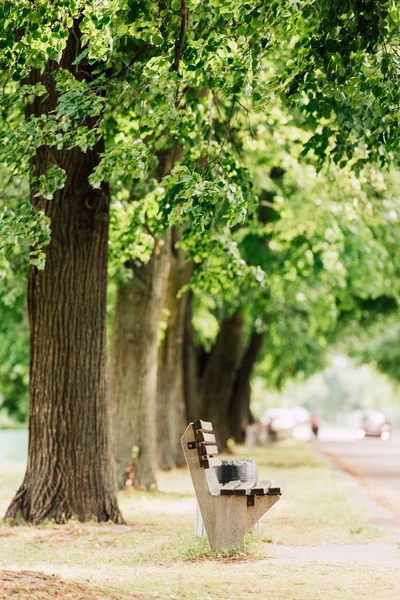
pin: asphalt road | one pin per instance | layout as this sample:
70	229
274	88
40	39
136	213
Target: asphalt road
375	463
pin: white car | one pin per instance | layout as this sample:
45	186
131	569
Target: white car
374	424
279	419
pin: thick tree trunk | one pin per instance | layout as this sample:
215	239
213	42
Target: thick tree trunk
171	406
239	408
220	374
134	368
69	462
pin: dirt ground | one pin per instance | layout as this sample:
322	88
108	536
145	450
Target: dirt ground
39	586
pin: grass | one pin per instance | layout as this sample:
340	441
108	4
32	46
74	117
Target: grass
157	555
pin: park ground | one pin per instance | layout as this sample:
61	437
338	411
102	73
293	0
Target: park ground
317	542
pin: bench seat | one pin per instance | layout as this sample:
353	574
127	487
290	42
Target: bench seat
252	488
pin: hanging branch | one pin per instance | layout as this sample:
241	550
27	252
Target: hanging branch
181	39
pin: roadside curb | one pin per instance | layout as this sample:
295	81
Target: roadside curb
379	516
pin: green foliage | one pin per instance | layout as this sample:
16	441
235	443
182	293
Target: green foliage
198	135
383	352
130	241
151	89
14	359
377	345
19	228
325	241
23	228
343	76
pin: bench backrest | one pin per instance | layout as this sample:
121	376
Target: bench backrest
205	442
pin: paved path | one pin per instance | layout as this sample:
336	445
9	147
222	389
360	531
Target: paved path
377	552
369	471
375	463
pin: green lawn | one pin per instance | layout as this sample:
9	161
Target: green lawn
157	555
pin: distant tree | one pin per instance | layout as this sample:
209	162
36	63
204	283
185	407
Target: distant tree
378	345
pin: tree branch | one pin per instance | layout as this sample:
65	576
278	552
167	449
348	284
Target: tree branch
267	204
181	39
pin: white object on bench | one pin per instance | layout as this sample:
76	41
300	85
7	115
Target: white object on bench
228	511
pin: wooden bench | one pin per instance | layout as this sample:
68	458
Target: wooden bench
228	510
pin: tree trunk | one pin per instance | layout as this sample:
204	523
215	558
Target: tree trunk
134	352
134	362
220	374
69	462
191	366
171	406
239	408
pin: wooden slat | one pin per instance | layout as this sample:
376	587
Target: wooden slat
200	425
226	489
261	488
244	489
276	488
211	462
208	450
206	438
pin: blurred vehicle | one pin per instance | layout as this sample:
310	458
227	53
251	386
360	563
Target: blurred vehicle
301	415
279	422
375	424
285	422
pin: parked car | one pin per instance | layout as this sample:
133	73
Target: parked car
374	424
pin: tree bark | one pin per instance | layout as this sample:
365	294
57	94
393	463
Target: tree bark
239	409
171	406
191	366
220	374
133	368
69	467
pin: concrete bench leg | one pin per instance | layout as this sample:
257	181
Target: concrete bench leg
228	521
199	528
